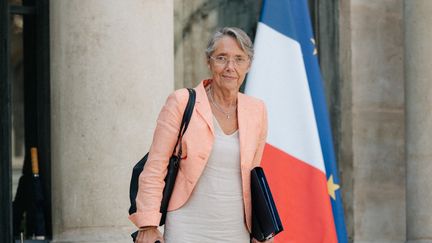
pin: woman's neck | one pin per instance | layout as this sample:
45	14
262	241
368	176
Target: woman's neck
223	97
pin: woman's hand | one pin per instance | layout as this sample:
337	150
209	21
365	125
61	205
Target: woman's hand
267	241
149	235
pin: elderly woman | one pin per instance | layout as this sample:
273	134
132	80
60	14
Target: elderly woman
211	200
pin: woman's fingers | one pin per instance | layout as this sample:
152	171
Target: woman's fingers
149	236
267	241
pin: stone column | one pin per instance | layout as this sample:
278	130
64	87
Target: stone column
377	121
418	92
112	69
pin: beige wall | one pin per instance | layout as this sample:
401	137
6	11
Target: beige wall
112	68
418	90
373	123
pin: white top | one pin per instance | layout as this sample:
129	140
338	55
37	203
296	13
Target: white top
214	212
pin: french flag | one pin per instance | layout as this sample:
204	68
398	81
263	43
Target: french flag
299	157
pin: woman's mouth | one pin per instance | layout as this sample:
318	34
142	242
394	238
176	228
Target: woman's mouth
228	77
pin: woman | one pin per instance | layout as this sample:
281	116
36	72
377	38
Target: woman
211	200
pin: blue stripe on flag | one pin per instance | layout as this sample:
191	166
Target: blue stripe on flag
277	15
291	18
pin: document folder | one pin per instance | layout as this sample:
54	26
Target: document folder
265	218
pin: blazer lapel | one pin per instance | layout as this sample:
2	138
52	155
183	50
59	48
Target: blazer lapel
203	106
243	122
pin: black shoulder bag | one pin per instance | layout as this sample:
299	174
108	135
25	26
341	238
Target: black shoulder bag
173	166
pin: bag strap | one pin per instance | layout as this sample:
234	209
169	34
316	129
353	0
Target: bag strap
187	114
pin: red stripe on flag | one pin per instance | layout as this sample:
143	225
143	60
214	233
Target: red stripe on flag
301	197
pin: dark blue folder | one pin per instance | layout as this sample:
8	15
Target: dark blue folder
265	218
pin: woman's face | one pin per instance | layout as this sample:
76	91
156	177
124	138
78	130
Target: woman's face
228	64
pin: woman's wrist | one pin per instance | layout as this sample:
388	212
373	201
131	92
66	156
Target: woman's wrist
144	228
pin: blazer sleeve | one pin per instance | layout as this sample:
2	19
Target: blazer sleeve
151	180
262	136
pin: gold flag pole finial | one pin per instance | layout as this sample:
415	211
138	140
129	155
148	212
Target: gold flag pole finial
34	160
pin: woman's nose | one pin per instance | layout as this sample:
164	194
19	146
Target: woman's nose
230	64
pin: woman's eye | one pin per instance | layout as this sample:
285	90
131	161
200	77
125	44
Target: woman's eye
221	58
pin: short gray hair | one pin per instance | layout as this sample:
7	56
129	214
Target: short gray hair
238	34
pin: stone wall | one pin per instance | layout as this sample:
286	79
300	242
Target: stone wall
418	95
373	120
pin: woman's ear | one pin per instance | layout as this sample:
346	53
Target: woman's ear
208	62
249	67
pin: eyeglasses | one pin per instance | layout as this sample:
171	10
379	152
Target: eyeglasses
223	60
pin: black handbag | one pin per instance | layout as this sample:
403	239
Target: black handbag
265	218
172	170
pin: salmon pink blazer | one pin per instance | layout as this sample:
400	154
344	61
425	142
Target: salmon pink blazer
197	144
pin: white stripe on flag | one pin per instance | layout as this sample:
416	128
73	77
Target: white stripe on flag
278	77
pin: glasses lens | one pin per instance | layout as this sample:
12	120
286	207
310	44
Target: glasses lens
223	60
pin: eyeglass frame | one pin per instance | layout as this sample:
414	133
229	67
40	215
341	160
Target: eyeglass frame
227	60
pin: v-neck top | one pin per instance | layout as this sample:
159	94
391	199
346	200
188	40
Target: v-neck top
219	127
215	211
